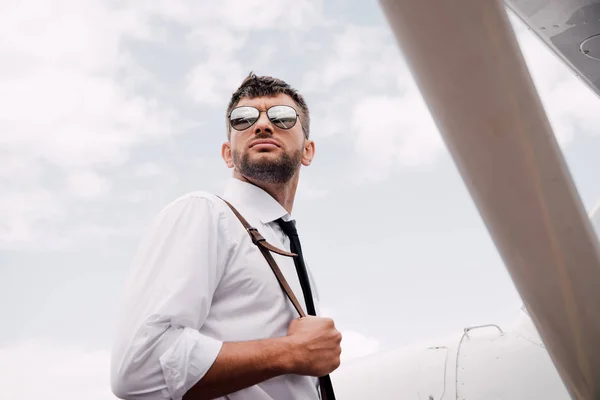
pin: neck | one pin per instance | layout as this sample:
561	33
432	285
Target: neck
284	193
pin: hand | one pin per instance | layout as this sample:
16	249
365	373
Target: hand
315	346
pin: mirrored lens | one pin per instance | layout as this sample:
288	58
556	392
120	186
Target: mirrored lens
282	116
243	117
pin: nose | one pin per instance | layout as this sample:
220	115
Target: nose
263	124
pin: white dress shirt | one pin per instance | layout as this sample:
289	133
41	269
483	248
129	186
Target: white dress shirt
199	281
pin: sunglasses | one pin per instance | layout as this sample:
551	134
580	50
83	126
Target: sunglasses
244	117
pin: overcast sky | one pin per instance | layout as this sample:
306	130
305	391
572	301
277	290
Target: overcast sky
107	113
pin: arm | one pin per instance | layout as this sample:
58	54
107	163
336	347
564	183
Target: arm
311	347
243	364
159	352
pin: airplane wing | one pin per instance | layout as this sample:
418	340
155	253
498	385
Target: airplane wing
570	28
467	63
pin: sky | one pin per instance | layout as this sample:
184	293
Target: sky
110	110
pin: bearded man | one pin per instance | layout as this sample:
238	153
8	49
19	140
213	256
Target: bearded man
203	315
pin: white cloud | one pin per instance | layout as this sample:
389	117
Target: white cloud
73	118
377	103
238	15
211	82
364	53
331	117
216	39
63	108
24	216
70	101
41	370
356	345
279	14
11	166
225	26
87	184
311	191
395	131
148	170
365	77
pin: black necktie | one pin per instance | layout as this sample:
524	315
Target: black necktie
289	228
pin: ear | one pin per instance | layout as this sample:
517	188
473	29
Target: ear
308	153
226	154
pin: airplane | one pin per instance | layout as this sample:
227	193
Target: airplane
487	361
487	110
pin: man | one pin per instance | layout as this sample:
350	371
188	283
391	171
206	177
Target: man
203	315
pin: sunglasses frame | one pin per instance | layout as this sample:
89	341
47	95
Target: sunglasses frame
266	112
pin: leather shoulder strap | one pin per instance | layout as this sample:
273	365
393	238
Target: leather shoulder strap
265	248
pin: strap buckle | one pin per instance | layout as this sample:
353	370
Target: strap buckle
255	235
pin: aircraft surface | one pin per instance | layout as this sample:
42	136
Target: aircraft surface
491	361
488	361
570	29
511	361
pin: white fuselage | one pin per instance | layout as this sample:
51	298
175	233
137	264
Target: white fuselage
488	362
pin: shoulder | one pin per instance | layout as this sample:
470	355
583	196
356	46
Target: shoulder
192	210
198	201
194	213
199	209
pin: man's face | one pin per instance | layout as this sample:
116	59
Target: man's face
264	151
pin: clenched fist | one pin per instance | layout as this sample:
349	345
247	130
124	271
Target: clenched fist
315	346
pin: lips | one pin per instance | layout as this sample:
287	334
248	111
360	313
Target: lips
264	142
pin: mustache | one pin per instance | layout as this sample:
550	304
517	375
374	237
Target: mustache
265	135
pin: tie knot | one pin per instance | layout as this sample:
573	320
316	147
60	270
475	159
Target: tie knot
288	227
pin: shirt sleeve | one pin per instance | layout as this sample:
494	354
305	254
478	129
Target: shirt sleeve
159	352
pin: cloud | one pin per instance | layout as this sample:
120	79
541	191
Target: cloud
311	192
249	15
224	28
363	72
216	39
39	369
363	55
357	62
376	103
210	82
79	94
281	14
65	110
87	184
60	99
395	131
354	344
25	215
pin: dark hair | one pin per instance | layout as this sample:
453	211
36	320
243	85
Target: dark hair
258	86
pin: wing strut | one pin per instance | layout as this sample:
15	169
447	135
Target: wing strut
465	58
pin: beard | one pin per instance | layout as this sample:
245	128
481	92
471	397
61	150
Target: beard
280	170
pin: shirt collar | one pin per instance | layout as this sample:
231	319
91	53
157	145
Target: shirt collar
254	199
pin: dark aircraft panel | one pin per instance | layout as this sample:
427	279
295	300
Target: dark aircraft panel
570	28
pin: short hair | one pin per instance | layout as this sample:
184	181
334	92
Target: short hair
258	86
